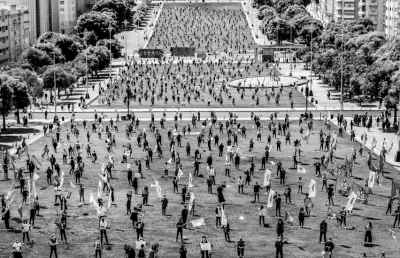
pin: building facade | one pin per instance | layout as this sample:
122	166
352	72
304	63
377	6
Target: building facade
346	10
392	21
375	11
15	32
68	15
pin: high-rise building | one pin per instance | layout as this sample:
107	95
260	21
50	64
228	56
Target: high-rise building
14	32
346	10
373	10
68	15
392	20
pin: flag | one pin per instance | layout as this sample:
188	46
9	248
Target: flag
73	185
158	187
128	165
197	222
99	190
371	179
169	161
270	148
62	179
267	177
102	168
35	176
191	201
270	199
190	180
288	218
374	142
241	217
226	157
312	191
224	221
390	147
34	188
351	201
301	170
393	235
307	135
326	160
10	192
109	200
180	173
91	198
20	211
364	139
239	151
273	163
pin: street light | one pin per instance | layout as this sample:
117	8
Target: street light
110	28
126	42
55	91
128	94
311	32
341	65
85	33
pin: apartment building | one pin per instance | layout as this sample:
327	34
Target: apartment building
68	15
392	21
14	32
346	10
375	11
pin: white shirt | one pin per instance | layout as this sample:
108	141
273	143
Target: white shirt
262	212
17	246
103	225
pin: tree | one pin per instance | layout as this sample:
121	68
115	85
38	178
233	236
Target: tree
69	47
102	54
20	97
312	29
294	10
118	7
62	79
116	48
48	37
282	5
266	11
283	28
33	82
52	51
264	2
36	58
98	23
6	93
93	63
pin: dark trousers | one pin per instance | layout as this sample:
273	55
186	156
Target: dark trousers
63	235
343	221
25	234
98	252
261	218
218	221
53	249
240	188
389	209
227	237
7	223
279	251
278	211
179	232
103	232
204	254
320	236
256	196
368	237
139	233
396	219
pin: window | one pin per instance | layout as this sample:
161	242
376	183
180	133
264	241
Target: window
62	9
61	2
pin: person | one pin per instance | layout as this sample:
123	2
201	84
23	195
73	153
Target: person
279	247
97	248
389	205
330	191
227	230
300	185
326	253
280	228
240	184
153	251
368	234
182	251
218	214
330	246
343	214
184	215
164	204
302	215
257	188
220	194
261	215
62	231
6	216
139	228
26	227
396	217
240	248
142	252
17	246
204	253
103	230
323	227
278	201
53	246
179	229
288	194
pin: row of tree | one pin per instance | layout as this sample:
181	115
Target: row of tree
65	56
287	20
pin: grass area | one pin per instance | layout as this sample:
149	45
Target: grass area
205	26
195	81
82	230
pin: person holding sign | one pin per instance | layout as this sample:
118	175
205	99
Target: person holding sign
205	247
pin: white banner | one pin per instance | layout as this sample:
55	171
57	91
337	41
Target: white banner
191	201
312	191
371	179
190	180
224	221
301	170
267	177
271	199
351	201
158	187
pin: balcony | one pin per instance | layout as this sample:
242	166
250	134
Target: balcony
372	13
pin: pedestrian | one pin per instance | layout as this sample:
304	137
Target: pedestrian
280	228
323	227
279	247
204	251
278	201
97	248
330	246
53	246
240	248
182	251
396	217
179	229
17	246
62	232
343	215
139	228
26	227
261	215
300	185
227	231
368	234
302	215
164	204
103	230
257	188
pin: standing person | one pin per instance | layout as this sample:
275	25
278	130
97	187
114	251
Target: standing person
279	247
139	228
26	227
324	183
323	227
17	246
240	248
204	253
396	217
220	194
302	215
182	251
389	205
164	204
227	230
218	214
278	201
179	229
368	234
6	217
103	230
330	191
62	231
240	184
330	246
53	246
97	248
343	214
184	215
280	228
261	215
257	188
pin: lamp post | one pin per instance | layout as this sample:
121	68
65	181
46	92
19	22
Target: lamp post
128	94
85	33
110	28
55	91
341	65
137	28
126	42
311	67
